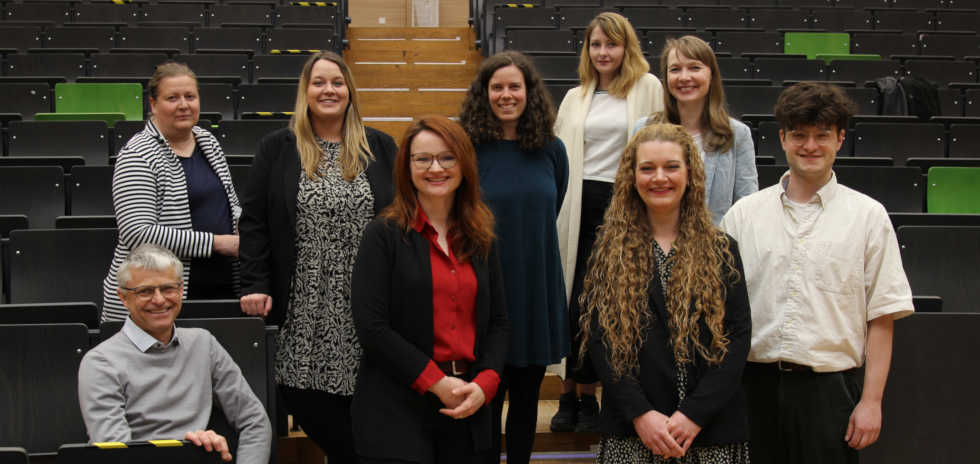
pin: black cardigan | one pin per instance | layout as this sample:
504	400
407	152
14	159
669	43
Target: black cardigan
391	299
714	398
268	224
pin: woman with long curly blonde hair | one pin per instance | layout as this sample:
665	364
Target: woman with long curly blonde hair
665	313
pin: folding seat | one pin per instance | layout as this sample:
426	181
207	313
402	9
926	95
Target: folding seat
577	17
921	5
886	45
654	17
214	65
769	145
972	107
812	44
292	14
738	43
687	3
899	141
243	137
239	178
135	65
866	99
863	4
953	190
175	12
68	65
942	72
798	4
558	91
86	139
657	39
11	222
749	5
58	13
246	40
957	46
13	455
123	131
101	38
963	4
74	258
298	39
906	21
751	99
20	38
772	20
558	4
958	21
217	98
239	14
779	70
964	141
861	71
156	38
25	99
898	189
542	18
557	67
941	261
124	13
100	98
950	102
735	68
842	21
91	191
711	18
933	219
541	41
86	222
276	98
50	313
277	66
37	192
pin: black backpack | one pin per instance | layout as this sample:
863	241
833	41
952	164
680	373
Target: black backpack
908	96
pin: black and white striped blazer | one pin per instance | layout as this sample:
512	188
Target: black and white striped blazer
149	191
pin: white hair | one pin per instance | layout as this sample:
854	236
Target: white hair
148	257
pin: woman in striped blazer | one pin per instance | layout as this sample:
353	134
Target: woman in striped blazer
171	187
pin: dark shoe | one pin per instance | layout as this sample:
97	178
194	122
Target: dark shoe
588	414
567	415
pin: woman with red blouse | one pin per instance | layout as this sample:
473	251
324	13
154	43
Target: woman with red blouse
429	311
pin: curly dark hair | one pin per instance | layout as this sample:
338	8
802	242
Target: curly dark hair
535	128
814	104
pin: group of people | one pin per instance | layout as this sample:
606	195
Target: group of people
619	238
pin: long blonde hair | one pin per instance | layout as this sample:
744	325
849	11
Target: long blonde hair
617	285
716	129
355	153
634	66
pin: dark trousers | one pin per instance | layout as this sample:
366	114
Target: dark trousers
523	384
325	418
799	417
445	440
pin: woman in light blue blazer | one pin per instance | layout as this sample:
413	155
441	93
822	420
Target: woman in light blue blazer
694	98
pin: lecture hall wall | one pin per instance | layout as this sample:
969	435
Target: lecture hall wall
397	13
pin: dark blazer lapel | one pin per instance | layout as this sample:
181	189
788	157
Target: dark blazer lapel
482	300
657	296
421	246
290	175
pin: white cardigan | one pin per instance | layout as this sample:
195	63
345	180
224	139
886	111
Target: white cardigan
646	97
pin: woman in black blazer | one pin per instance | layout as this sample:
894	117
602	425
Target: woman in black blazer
312	189
429	309
666	316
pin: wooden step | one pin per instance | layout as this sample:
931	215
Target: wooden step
378	81
353	57
411	38
396	129
410	97
422	72
411	111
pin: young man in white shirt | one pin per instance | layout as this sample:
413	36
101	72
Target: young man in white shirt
825	281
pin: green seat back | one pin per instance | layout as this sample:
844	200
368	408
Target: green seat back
828	57
953	190
109	118
813	44
100	98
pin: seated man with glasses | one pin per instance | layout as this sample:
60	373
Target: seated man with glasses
153	381
825	280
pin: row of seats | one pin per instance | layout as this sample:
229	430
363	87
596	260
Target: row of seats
177	39
202	14
921	5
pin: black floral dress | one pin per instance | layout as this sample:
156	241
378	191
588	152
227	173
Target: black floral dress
317	348
621	450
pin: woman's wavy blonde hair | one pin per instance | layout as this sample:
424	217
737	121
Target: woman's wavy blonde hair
634	66
355	153
617	285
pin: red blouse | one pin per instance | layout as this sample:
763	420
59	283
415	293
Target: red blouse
453	313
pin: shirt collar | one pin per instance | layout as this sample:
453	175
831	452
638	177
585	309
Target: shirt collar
143	340
825	194
421	220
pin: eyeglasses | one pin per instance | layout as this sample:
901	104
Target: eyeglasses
423	161
823	138
147	292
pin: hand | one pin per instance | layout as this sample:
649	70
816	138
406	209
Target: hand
226	245
865	425
444	389
682	429
474	401
210	441
652	429
256	304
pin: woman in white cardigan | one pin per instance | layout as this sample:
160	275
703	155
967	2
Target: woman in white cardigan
594	123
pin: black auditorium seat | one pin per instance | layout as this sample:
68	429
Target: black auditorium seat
771	20
26	99
898	189
76	259
964	141
101	38
577	17
841	21
657	39
239	178
20	38
899	141
520	17
558	91
56	12
243	137
861	71
41	384
239	14
317	15
779	70
51	313
738	43
933	219
906	21
866	99
557	67
85	222
215	65
541	41
941	261
246	40
972	106
711	18
920	5
276	98
964	5
943	73
218	98
13	455
735	68
36	192
175	12
298	39
123	13
68	65
957	46
798	4
688	3
136	65
770	145
11	222
277	66
751	99
958	21
167	38
950	102
125	130
654	17
91	191
885	45
87	139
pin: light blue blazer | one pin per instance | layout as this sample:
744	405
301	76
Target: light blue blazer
729	175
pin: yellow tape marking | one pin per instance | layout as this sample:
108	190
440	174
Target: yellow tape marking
166	443
111	445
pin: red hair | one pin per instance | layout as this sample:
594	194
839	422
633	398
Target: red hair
473	221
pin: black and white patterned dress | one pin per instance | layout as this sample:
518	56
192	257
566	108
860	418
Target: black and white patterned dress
616	450
317	348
